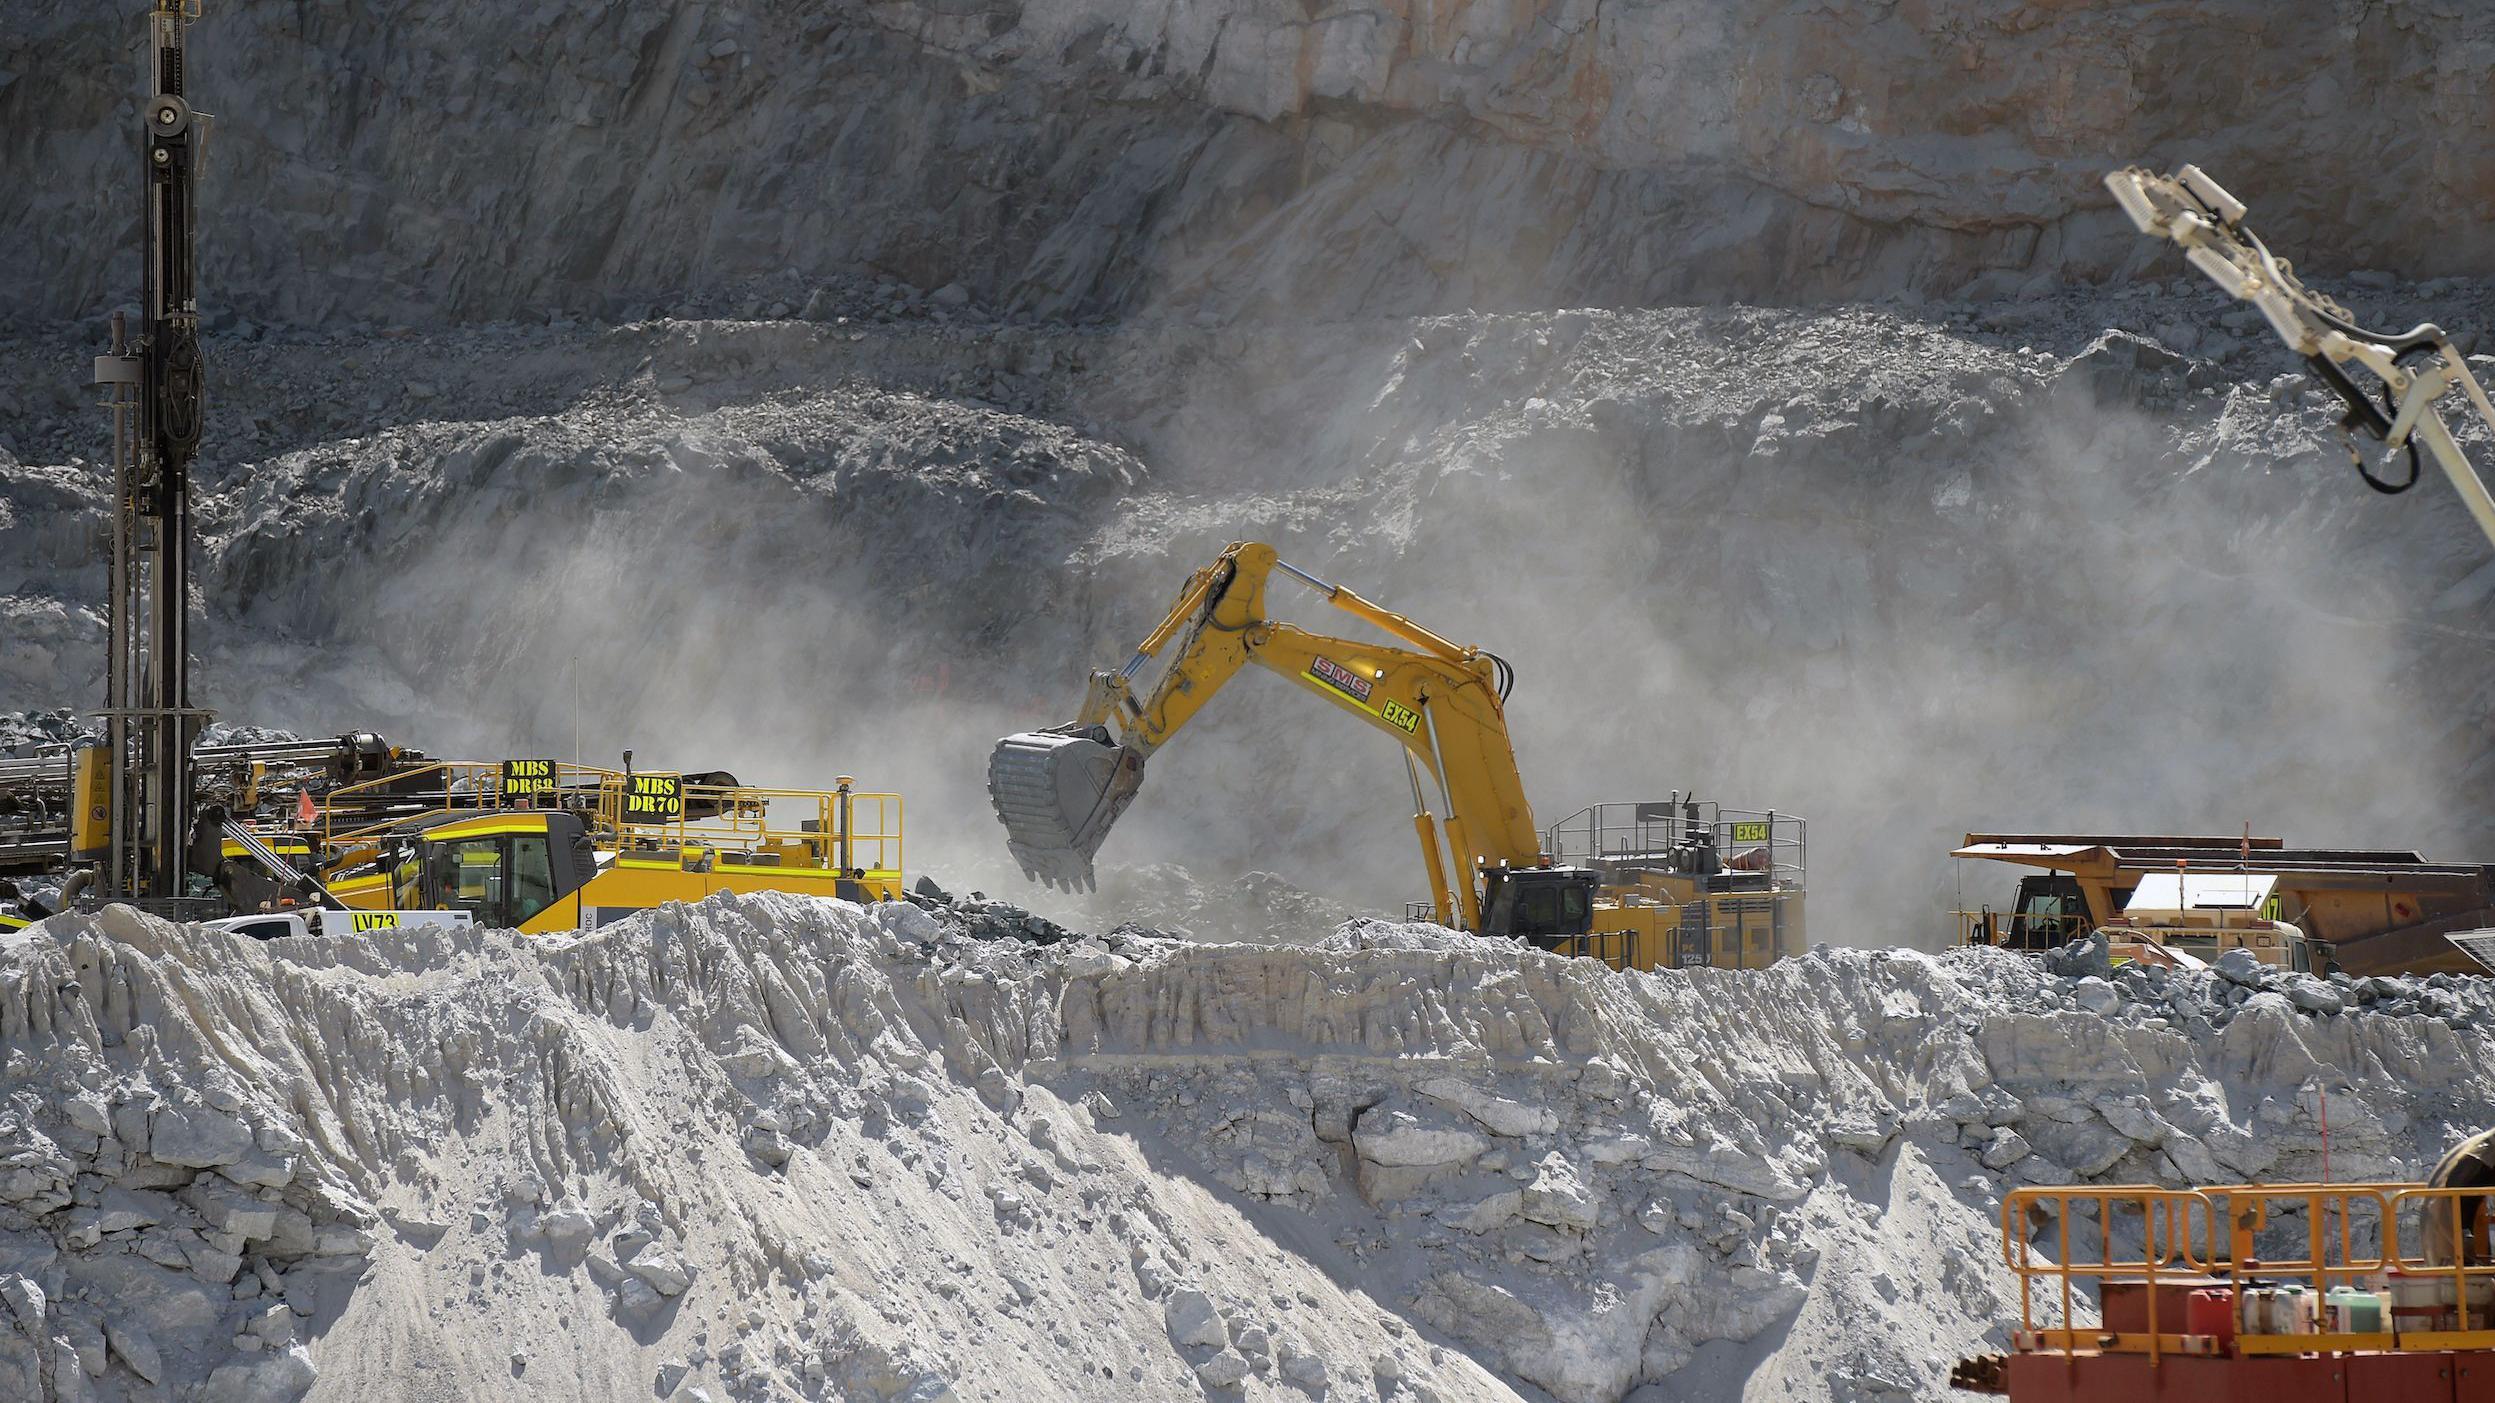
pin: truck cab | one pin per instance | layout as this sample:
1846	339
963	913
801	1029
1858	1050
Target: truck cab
2048	911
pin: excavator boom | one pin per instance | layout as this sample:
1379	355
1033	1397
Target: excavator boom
1057	791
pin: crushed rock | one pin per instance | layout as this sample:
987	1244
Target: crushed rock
1088	1166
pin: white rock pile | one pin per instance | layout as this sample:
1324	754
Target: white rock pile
772	1148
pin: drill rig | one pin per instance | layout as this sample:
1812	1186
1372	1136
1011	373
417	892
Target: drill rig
1675	883
155	386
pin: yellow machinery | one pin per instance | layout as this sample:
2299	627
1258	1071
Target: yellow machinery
1687	884
1645	880
2364	910
540	845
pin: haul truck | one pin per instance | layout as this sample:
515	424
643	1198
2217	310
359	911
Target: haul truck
1635	885
2364	910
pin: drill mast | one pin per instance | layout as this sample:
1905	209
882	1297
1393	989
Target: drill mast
154	380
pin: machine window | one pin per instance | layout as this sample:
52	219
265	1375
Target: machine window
532	877
1537	909
467	875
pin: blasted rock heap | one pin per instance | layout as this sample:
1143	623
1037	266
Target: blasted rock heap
768	1148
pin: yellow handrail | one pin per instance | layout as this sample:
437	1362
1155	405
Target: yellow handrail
744	819
2190	1244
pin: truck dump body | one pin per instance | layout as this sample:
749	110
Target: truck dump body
2385	911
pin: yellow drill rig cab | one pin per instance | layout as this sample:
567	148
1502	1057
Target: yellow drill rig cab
1057	791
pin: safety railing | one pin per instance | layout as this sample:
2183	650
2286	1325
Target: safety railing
846	829
1677	946
843	828
353	813
2439	1240
2413	1261
1658	834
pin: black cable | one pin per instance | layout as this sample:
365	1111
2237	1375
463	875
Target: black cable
1506	675
2392	407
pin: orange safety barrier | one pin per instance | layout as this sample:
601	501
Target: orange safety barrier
2361	1235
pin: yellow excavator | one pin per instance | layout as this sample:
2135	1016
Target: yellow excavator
1655	888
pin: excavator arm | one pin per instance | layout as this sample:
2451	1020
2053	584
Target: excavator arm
1058	791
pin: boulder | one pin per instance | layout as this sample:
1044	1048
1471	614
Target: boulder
230	1210
567	1225
1192	1320
196	1137
1223	1370
667	1273
26	1301
2241	967
271	1378
1402	1139
2314	996
135	1348
2094	995
2135	1118
1558	1196
1482	1215
2008	1147
1514	1119
1306	1370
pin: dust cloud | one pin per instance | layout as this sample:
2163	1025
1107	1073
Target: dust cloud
1892	572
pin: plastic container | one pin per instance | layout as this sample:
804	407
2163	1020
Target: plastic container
2423	1300
2280	1310
2257	1310
2276	1311
2420	1301
2211	1313
2353	1312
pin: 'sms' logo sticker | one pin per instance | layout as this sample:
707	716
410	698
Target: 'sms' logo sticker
1340	678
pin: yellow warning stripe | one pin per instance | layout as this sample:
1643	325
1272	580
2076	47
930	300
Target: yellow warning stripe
482	828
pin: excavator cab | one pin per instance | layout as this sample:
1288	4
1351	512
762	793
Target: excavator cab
1541	905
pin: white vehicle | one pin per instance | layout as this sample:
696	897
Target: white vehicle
278	925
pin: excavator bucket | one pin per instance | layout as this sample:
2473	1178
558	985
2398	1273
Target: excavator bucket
1057	791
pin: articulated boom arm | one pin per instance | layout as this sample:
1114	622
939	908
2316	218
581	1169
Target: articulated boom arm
2414	367
1439	700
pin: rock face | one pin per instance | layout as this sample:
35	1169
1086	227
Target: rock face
1077	156
1016	1168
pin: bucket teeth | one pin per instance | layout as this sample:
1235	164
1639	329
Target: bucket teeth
1057	792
